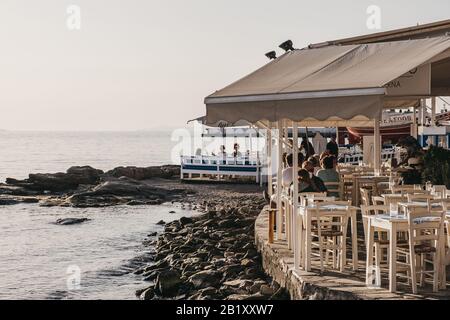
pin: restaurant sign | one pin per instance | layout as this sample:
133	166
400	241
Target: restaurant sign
416	82
392	119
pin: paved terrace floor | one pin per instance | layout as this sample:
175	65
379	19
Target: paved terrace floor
278	262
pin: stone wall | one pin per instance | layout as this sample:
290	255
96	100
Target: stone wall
278	263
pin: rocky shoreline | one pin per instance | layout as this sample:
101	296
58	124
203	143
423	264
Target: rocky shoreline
84	186
211	256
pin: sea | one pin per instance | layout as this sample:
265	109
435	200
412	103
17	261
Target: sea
88	261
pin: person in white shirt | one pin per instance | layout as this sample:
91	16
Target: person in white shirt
287	174
222	152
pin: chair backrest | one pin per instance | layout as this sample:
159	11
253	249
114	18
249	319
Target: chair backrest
334	188
425	226
377	200
394	199
304	196
402	188
439	191
365	196
374	209
419	197
367	211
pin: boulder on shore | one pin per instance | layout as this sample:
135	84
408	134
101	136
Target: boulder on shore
137	173
70	221
59	182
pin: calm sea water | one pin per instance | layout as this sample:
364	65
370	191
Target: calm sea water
22	153
41	260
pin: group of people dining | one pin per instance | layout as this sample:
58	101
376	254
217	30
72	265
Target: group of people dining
314	170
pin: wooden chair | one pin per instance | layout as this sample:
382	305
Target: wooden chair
425	231
381	242
376	200
330	234
335	189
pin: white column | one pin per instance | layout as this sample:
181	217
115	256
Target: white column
269	160
377	145
433	111
279	174
295	233
414	124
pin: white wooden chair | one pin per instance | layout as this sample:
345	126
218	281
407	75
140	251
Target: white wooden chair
335	189
329	234
425	234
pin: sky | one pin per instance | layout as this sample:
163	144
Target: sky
145	64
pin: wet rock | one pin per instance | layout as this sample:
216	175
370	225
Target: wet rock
71	221
148	294
8	202
137	173
58	182
161	222
168	283
204	279
266	290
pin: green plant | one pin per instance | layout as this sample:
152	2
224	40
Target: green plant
437	166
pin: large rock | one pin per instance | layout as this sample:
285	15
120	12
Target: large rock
145	173
168	283
204	279
70	221
59	182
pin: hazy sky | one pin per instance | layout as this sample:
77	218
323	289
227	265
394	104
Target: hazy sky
140	64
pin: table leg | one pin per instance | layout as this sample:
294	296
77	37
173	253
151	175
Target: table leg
354	240
393	258
308	241
369	250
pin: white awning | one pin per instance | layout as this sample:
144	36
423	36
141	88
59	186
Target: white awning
332	83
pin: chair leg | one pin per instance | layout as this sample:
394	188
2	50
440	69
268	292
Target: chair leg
378	263
422	267
413	270
436	269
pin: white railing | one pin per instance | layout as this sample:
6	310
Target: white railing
220	166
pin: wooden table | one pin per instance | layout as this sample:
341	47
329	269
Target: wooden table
366	179
391	224
304	217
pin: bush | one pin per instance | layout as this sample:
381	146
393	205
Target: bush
437	166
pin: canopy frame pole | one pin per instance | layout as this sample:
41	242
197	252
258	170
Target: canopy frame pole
377	146
279	219
414	124
433	111
296	243
269	162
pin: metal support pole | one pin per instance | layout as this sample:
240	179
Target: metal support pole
295	233
269	161
279	176
377	146
433	111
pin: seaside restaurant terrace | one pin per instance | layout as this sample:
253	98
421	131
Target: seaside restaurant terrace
406	228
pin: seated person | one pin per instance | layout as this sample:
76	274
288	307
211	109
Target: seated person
329	173
236	152
318	183
287	174
315	162
305	183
